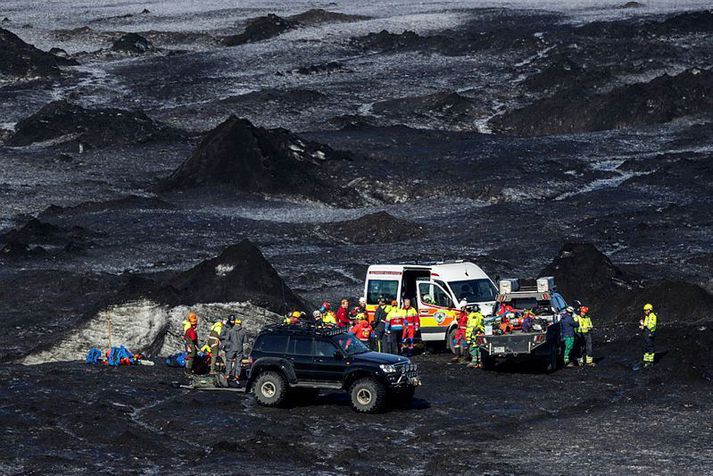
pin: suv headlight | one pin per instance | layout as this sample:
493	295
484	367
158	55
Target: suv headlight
389	369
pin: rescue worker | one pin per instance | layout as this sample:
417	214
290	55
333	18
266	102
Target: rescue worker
474	328
233	340
293	318
584	332
362	330
190	338
647	325
412	323
342	314
567	327
394	328
214	342
329	319
360	308
317	318
379	322
460	341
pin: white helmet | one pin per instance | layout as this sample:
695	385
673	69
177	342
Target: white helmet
316	314
462	304
510	315
362	300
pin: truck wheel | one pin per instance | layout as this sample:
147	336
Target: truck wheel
367	395
451	336
270	389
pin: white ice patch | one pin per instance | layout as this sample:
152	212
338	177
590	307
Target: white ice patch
144	325
222	270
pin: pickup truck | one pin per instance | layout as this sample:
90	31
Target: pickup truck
504	337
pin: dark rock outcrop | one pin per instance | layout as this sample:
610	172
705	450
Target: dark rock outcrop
37	238
658	101
66	122
246	158
261	28
379	227
132	202
21	60
132	44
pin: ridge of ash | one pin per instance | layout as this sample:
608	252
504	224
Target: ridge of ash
133	44
37	238
317	16
22	60
131	202
261	28
658	101
251	159
379	227
61	121
450	108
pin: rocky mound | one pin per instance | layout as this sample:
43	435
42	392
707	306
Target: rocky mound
318	16
582	272
132	44
658	101
566	73
449	108
320	68
37	238
379	227
21	60
132	202
261	28
62	121
240	273
387	41
252	159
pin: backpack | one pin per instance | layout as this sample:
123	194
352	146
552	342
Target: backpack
93	356
176	360
117	354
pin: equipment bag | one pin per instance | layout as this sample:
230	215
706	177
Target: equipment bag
176	360
93	356
117	354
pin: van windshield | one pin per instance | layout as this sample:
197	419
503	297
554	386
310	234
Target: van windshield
474	290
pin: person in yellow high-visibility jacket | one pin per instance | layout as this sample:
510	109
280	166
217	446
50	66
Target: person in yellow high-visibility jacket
473	329
648	333
584	333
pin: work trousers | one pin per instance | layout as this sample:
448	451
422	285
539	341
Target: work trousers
214	352
648	345
568	346
586	352
392	341
232	364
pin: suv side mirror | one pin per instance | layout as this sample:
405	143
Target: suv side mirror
338	355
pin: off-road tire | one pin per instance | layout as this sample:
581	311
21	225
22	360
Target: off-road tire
270	389
367	395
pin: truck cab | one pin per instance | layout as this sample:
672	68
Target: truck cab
434	290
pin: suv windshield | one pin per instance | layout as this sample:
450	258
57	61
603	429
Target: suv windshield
350	345
474	290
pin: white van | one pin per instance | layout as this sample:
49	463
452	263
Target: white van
434	289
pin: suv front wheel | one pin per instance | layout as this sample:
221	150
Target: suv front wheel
367	395
270	389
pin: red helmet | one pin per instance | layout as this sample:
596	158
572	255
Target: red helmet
326	305
584	310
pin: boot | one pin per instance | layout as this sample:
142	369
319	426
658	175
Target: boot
458	356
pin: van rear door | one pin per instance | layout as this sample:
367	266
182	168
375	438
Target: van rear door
381	285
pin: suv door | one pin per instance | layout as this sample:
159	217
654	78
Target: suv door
299	352
326	365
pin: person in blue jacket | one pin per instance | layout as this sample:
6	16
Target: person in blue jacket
568	325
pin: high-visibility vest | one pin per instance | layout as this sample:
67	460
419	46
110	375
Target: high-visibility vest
474	325
585	324
650	322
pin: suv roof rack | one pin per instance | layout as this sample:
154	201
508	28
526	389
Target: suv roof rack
304	328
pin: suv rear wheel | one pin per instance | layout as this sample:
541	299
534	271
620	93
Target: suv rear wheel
367	395
270	389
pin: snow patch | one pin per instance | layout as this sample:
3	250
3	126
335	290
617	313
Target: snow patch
148	327
222	270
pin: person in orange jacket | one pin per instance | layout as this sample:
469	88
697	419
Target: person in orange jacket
362	330
411	325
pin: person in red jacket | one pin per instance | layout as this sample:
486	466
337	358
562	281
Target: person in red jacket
343	314
362	330
460	341
190	337
411	325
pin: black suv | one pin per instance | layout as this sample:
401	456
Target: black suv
299	361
